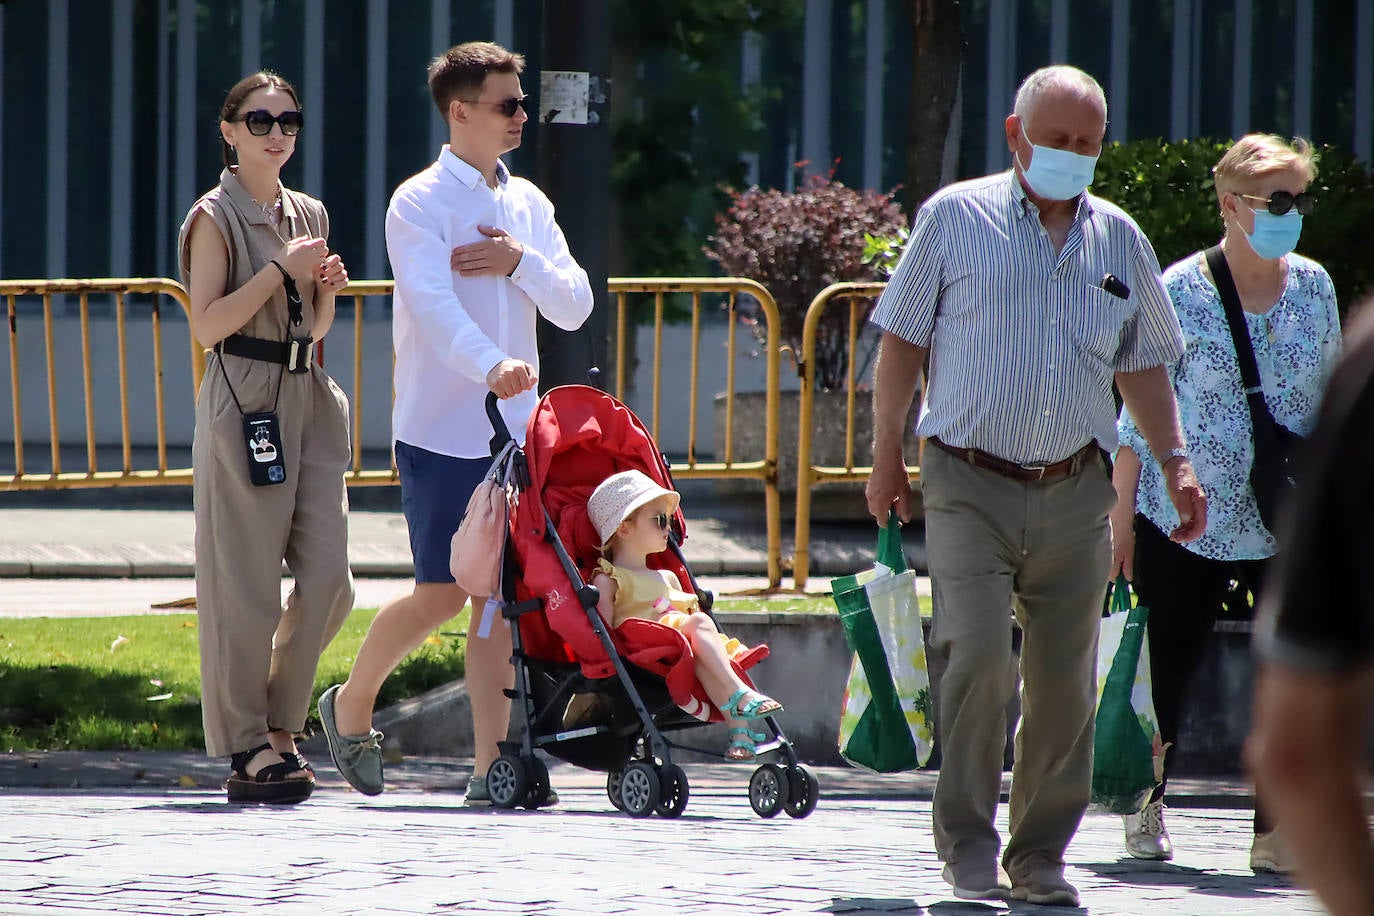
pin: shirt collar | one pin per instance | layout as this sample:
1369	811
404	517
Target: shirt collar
248	206
1022	204
466	172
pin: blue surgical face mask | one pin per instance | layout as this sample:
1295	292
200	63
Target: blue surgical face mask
1274	236
1057	174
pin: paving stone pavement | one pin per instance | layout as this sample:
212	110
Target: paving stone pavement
416	849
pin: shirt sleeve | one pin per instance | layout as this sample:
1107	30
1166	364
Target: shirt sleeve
1152	336
424	286
549	275
907	306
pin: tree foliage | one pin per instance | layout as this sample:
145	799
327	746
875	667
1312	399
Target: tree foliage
681	122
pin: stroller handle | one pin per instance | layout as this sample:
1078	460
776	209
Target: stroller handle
498	423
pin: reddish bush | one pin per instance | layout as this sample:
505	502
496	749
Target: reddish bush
798	243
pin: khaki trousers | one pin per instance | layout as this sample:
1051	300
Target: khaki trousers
258	659
1043	550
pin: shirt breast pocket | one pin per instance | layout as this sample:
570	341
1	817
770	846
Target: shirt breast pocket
1096	316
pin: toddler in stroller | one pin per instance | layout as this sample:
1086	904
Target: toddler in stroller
599	681
631	514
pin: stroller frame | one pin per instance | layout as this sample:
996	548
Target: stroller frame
648	780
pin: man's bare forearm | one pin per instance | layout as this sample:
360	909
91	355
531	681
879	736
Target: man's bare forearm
894	387
1150	399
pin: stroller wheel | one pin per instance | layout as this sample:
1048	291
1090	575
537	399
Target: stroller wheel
538	795
613	789
507	781
673	791
768	790
639	789
803	790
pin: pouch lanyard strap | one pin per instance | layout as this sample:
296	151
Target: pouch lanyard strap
297	314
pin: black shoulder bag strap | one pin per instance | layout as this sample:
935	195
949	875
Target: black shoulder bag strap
1240	335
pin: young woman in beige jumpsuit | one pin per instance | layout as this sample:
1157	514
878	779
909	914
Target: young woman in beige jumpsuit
237	246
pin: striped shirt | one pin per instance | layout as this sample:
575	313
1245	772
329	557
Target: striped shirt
1024	341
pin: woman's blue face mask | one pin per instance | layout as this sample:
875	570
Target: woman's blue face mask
1275	236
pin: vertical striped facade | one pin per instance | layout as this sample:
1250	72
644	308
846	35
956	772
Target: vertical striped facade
109	107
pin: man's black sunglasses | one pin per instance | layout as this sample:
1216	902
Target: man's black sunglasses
260	121
1281	202
507	107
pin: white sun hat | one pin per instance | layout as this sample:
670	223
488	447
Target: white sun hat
619	496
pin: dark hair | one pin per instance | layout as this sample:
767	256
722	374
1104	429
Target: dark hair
242	90
463	69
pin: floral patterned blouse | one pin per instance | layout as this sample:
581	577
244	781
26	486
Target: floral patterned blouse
1296	344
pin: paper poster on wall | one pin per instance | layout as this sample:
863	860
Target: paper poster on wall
563	96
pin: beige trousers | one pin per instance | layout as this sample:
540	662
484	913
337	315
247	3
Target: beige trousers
1044	551
258	659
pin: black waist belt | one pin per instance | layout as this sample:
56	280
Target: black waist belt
293	354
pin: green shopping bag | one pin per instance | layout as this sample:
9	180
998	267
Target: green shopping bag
1128	757
886	721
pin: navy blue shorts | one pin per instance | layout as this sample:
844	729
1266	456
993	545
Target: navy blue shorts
435	490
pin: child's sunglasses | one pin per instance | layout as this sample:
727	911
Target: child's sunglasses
259	122
661	520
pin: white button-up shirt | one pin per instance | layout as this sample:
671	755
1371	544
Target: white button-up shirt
449	330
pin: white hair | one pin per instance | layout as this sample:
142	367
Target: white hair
1058	77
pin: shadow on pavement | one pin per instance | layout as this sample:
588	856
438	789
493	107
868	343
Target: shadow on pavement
1142	873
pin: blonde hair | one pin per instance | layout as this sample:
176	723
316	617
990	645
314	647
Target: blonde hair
1256	155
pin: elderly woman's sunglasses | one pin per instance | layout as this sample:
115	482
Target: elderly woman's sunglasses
259	122
506	107
1280	202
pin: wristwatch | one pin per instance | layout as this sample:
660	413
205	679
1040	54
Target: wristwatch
1174	453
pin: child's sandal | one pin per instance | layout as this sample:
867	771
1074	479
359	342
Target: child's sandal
750	704
743	745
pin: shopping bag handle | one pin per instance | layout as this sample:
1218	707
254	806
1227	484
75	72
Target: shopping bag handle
1118	596
890	552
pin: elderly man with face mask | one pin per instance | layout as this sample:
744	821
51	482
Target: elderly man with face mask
1030	297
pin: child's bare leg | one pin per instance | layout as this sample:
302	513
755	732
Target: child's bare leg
713	667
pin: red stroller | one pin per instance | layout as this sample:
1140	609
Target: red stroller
603	699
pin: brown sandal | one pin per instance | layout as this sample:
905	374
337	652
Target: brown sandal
274	784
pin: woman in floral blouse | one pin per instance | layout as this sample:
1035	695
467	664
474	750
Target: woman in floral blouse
1289	307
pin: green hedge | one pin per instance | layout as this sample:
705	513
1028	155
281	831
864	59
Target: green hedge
1168	189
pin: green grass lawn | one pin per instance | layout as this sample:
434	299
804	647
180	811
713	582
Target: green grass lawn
133	683
116	683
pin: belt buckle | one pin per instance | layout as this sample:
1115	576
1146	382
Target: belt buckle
1037	469
298	355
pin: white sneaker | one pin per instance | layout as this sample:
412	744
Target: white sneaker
1269	853
1146	835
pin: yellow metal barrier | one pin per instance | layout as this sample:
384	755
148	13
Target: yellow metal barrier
726	465
859	297
120	289
724	292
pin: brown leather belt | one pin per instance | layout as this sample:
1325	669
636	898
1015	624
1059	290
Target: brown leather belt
1026	473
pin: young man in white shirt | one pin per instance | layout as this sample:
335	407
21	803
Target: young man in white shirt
477	257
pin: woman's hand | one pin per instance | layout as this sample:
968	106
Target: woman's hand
332	276
302	257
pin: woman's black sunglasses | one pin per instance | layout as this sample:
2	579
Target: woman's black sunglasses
259	122
506	107
1281	202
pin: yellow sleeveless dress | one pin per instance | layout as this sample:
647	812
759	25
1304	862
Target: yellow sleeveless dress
649	595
